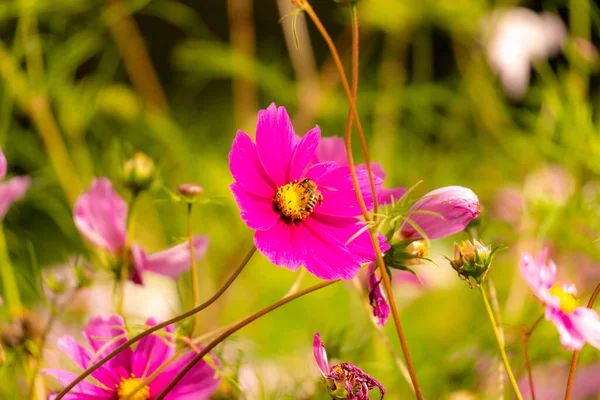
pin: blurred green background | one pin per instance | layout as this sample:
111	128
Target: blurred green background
433	111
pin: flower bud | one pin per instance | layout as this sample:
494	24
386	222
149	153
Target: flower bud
418	250
472	260
139	172
190	191
377	299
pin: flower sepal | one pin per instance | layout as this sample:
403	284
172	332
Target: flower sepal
406	253
472	261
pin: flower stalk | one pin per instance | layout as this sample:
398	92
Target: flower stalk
9	281
527	332
490	314
193	269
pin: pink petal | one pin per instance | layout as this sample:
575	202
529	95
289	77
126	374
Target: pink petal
83	390
82	356
100	214
12	190
454	208
539	277
381	308
587	323
247	169
303	153
332	149
320	354
198	384
152	351
570	337
257	212
105	335
139	261
388	196
275	142
277	244
2	164
176	260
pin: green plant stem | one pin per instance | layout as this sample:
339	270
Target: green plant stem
234	329
157	327
12	297
576	352
490	314
193	269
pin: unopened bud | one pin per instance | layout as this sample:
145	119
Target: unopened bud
418	250
472	261
190	191
139	172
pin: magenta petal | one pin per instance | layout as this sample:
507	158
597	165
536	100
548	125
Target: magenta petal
453	207
303	153
570	337
320	354
324	255
587	323
83	390
539	276
12	190
388	196
247	169
139	262
152	351
100	214
176	260
2	164
275	141
332	149
257	212
82	356
277	244
105	335
198	384
381	308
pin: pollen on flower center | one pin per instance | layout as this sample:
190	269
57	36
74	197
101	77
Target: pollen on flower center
568	302
133	389
296	200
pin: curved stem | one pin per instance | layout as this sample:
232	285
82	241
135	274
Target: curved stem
511	376
234	329
157	327
576	352
526	335
194	271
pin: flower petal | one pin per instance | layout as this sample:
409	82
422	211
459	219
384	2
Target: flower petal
320	354
303	153
100	214
257	212
539	277
152	351
12	190
388	196
275	141
106	334
83	390
570	337
332	149
381	308
139	260
277	244
587	323
247	169
176	260
2	164
82	356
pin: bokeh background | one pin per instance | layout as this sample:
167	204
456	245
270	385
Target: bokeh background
434	112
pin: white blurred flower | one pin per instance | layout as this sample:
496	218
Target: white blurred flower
517	37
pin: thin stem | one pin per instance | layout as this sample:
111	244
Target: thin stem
157	327
576	352
374	239
526	333
126	253
193	269
511	377
9	281
234	329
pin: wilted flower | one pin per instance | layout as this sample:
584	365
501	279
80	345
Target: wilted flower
334	149
517	38
345	380
440	213
576	325
11	190
302	215
100	215
381	307
125	374
139	172
472	260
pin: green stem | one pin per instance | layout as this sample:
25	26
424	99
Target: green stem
193	270
9	281
511	377
234	329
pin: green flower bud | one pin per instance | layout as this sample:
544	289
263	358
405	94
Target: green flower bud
472	261
139	172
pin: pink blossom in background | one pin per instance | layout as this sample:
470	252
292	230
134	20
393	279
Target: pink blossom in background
334	149
447	211
576	325
123	374
11	190
301	214
381	307
344	380
100	215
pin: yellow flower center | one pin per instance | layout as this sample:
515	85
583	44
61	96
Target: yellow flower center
133	389
296	200
568	302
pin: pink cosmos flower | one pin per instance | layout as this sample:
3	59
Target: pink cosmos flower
576	325
100	215
334	149
125	374
381	308
11	190
302	215
345	380
440	213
